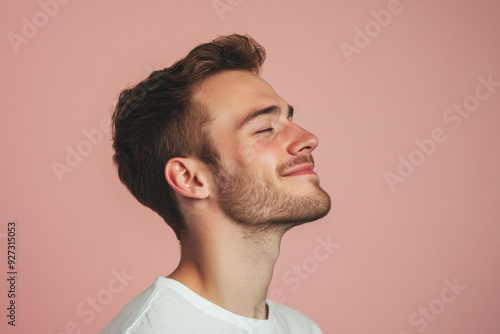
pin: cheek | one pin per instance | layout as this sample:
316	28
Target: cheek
269	149
245	151
260	156
263	158
236	157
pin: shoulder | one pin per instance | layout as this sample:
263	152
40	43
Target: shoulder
292	321
136	315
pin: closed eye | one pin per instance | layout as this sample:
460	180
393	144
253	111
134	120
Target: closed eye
265	130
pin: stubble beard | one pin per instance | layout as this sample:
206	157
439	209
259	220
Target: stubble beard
260	203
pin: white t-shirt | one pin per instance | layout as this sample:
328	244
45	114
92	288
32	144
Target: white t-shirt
169	307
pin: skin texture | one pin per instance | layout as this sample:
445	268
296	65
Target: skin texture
237	215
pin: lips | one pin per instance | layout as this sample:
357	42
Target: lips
300	170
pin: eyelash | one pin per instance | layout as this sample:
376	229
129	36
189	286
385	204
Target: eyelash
265	130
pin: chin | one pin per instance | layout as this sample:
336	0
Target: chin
311	208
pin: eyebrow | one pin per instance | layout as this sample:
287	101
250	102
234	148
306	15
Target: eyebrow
266	111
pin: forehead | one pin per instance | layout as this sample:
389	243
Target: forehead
230	95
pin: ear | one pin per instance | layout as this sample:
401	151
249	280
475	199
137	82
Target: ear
187	177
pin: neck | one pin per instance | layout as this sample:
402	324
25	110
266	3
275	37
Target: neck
231	268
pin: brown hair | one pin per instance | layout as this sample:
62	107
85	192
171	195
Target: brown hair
156	120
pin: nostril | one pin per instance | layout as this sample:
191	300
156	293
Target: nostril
305	148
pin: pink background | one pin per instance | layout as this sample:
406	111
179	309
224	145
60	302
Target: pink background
395	247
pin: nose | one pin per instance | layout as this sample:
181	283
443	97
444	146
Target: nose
301	141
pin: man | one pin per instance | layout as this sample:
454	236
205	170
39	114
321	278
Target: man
211	147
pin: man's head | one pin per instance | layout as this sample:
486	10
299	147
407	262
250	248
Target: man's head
185	115
265	176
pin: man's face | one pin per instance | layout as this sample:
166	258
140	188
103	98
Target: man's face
265	176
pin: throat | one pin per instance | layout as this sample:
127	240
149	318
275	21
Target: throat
234	274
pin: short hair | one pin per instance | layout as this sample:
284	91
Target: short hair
157	120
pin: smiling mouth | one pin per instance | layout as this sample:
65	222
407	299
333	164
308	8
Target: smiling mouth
306	169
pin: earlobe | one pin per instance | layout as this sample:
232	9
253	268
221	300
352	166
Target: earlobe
185	176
